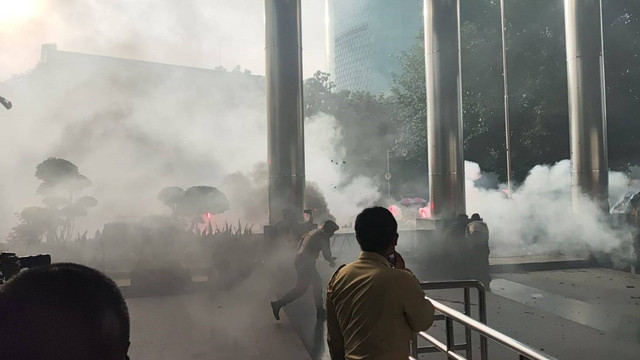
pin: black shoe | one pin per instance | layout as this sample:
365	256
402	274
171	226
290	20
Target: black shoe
275	306
321	314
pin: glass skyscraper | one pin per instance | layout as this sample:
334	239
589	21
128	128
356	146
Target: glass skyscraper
364	39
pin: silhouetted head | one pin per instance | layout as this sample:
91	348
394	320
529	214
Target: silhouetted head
376	230
462	217
63	311
330	227
476	217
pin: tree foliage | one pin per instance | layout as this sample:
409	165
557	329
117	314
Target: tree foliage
60	177
537	80
56	222
362	117
194	203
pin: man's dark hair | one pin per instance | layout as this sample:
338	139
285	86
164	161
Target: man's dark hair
63	311
375	229
475	217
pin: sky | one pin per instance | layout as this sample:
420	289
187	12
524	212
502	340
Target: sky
199	33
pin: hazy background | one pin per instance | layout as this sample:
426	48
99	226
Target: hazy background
200	33
135	128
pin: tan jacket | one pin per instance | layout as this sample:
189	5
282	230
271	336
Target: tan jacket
372	309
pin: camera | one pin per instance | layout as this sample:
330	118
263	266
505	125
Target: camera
12	264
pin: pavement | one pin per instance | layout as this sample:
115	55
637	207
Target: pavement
579	314
585	314
237	324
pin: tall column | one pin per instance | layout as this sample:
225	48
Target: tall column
284	107
587	109
444	107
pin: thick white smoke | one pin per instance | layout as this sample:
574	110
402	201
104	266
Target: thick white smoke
538	219
202	33
325	156
134	129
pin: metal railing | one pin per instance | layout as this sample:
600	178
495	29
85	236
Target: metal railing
450	315
466	285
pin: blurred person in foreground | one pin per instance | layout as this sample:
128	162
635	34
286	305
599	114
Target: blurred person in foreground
63	312
374	304
311	245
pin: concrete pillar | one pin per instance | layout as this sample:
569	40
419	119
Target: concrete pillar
444	107
587	105
284	107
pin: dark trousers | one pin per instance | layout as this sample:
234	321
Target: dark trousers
307	275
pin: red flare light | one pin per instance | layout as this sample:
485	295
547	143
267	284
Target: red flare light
425	212
395	211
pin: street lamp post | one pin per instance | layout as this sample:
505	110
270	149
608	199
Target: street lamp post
507	130
387	176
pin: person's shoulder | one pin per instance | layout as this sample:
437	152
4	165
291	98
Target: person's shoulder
337	278
337	271
399	277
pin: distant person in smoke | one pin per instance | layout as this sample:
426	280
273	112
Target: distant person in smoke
459	227
374	304
457	252
63	312
311	245
287	225
477	234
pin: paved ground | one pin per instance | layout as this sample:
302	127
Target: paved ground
569	314
233	325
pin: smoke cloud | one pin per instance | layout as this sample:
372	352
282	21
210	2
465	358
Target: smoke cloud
200	33
538	219
134	128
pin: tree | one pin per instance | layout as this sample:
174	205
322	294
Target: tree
61	180
170	196
621	21
194	203
199	200
60	177
35	222
538	89
409	99
361	117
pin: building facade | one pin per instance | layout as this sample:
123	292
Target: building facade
364	39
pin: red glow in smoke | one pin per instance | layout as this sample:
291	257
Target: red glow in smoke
425	212
395	211
208	215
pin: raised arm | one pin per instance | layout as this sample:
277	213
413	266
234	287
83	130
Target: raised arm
326	252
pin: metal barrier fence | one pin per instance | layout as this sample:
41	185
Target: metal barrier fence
466	285
450	315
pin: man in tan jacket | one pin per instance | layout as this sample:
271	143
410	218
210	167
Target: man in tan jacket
373	306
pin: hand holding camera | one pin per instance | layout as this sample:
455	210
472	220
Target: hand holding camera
397	261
